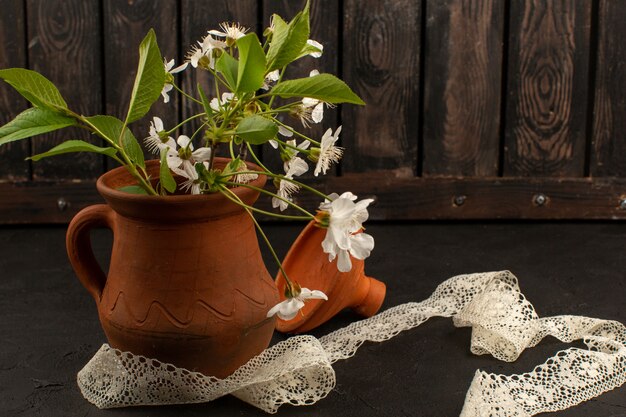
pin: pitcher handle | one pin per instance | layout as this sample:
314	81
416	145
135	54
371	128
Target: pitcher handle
79	249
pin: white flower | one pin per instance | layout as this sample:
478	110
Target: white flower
296	166
244	178
230	31
270	78
217	104
204	55
293	149
284	132
328	152
344	236
312	109
189	172
158	140
181	159
317	108
169	69
317	45
169	66
288	308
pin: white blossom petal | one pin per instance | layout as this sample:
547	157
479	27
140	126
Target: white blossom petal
318	113
316	45
179	68
289	308
309	102
297	167
201	154
306	293
184	141
344	264
285	132
344	237
361	245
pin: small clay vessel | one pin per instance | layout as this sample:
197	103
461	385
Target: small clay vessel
186	283
307	264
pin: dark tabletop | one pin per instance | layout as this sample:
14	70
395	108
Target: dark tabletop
49	327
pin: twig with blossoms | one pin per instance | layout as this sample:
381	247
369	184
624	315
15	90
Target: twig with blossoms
237	114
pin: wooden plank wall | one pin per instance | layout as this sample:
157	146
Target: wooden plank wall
477	109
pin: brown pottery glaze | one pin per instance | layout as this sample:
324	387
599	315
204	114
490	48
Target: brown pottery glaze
186	283
307	264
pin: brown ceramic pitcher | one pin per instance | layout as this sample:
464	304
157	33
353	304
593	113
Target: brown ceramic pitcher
186	283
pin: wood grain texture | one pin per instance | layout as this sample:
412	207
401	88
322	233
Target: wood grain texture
547	88
482	198
126	22
462	87
197	17
65	46
12	54
381	63
396	198
608	151
324	17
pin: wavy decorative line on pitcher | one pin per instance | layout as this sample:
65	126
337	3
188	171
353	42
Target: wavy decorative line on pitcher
156	305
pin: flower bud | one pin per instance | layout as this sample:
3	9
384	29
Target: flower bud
292	290
286	154
184	153
314	154
251	108
204	62
322	219
163	136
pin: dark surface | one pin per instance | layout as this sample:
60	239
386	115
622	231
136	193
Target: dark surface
49	327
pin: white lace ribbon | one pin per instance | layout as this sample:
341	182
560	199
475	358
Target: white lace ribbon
298	371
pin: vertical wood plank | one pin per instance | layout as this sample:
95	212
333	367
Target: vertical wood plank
12	54
126	22
64	45
547	88
197	17
462	87
324	15
381	48
608	151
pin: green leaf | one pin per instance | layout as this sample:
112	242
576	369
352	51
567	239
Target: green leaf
31	122
74	146
309	49
324	87
133	189
227	66
150	78
133	149
110	128
288	40
34	87
279	37
165	175
256	129
251	69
